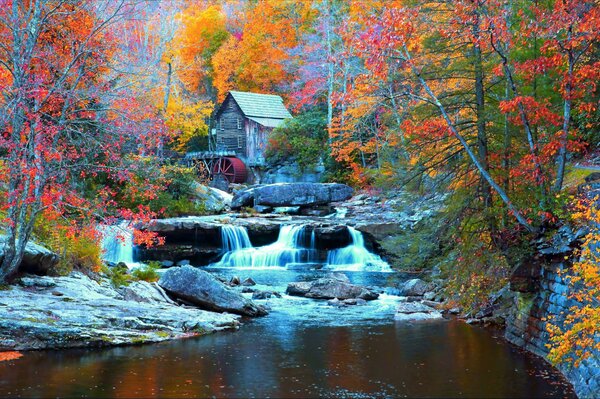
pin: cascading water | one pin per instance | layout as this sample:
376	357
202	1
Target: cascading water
290	247
293	246
355	257
234	238
117	243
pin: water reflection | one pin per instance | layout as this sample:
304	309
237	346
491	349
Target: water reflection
438	359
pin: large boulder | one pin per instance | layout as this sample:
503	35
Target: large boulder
36	260
292	194
204	290
415	287
330	288
213	199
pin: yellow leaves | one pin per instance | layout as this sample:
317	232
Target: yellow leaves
581	327
188	120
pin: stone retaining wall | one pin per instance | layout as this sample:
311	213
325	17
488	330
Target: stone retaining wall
526	327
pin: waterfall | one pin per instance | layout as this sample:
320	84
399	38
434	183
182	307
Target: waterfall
355	256
290	247
117	243
234	238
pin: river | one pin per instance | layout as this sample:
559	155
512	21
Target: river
303	348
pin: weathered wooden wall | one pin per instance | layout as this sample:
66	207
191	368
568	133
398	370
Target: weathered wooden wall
231	134
256	139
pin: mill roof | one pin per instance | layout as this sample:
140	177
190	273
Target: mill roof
256	105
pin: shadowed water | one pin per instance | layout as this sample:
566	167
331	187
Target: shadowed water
304	348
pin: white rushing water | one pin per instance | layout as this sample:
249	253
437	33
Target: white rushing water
289	248
234	238
117	243
355	257
293	247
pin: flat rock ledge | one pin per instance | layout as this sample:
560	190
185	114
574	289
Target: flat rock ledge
76	311
415	311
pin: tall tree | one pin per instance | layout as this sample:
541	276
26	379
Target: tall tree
59	121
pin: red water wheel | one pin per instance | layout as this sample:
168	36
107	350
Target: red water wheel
233	169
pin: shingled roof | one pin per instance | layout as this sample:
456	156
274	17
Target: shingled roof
261	105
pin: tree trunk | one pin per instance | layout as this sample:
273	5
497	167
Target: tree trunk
330	70
482	142
562	152
520	218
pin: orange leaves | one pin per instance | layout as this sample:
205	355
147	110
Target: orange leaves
11	355
255	57
201	33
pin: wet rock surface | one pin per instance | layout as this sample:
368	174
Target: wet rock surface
336	286
76	311
413	311
415	287
203	289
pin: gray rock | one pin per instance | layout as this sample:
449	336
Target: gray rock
265	294
330	288
412	311
37	259
354	301
80	312
142	291
38	282
300	288
167	263
183	262
248	282
415	287
202	289
429	296
213	199
339	277
335	302
235	280
292	194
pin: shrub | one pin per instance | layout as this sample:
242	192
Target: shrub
118	275
167	190
147	272
302	139
76	242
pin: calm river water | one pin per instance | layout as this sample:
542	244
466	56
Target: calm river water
304	348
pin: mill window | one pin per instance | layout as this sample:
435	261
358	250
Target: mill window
239	123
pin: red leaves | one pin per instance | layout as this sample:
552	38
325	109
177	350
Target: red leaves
537	112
